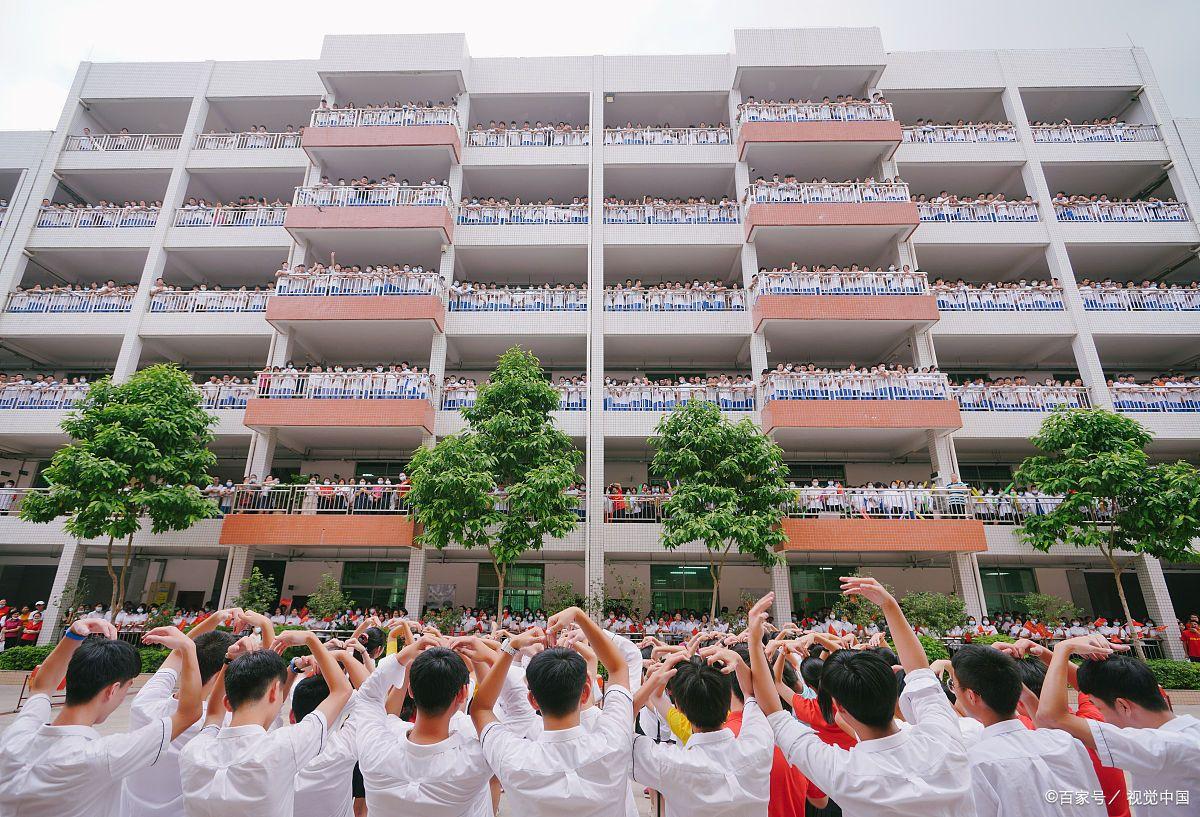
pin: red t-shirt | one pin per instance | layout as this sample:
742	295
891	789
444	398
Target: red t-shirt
32	628
1191	640
789	788
807	710
1112	781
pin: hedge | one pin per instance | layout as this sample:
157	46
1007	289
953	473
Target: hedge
934	648
25	659
1175	674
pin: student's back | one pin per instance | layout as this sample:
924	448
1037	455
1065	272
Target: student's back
1013	767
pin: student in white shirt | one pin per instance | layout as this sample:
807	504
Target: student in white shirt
921	771
568	768
64	767
1012	766
242	768
1139	733
323	788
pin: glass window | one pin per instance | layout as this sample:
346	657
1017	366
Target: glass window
805	472
375	584
1004	588
998	477
523	586
814	587
374	470
680	587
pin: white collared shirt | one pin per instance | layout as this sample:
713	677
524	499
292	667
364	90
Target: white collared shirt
1163	759
239	769
917	772
323	786
70	771
582	771
716	773
1013	767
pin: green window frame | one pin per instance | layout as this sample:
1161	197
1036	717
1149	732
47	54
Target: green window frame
1004	588
680	587
376	584
814	587
524	586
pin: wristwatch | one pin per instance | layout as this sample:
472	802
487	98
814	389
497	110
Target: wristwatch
508	647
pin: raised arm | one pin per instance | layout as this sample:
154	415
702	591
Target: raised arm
489	688
908	646
1053	712
339	685
214	621
263	624
606	651
190	700
760	669
53	670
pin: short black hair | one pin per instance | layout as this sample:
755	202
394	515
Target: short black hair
376	639
887	654
1033	674
308	695
435	678
249	676
556	678
98	664
990	674
861	683
701	692
210	652
1120	676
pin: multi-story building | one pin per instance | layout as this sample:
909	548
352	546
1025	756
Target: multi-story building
174	138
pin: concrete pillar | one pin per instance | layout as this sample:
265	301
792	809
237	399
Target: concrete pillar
70	565
1159	606
781	583
594	540
414	591
241	560
922	347
262	453
942	455
964	568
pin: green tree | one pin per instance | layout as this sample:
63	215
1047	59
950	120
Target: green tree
257	592
511	446
1048	608
139	449
72	596
328	599
730	487
858	610
1114	499
937	612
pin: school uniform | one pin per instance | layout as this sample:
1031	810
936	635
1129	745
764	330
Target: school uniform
1166	759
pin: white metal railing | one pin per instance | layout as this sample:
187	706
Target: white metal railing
826	192
247	141
517	299
652	397
200	300
335	385
33	396
952	298
978	211
1120	132
867	282
669	136
380	195
816	112
253	216
86	300
311	499
1166	398
1140	299
938	134
97	217
935	502
403	116
225	396
359	283
1019	398
527	137
855	386
675	299
1122	211
570	398
472	213
672	213
123	141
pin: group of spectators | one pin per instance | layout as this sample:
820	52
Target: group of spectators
166	297
1167	392
1133	295
323	382
363	191
226	391
334	494
1003	296
461	392
927	130
884	381
536	134
730	392
256	137
467	296
104	213
945	206
355	279
1111	129
789	189
1018	394
843	107
667	134
94	297
388	113
40	391
671	210
1100	207
244	211
838	280
502	210
677	296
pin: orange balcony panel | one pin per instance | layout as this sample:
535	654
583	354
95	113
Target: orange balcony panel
357	308
337	413
883	132
866	214
323	530
840	308
371	218
385	136
934	414
885	535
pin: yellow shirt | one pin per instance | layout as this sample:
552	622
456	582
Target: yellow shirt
680	725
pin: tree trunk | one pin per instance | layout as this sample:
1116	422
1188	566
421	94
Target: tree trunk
716	569
501	575
112	574
1117	570
120	602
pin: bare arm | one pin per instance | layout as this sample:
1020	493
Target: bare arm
53	670
190	695
489	688
606	651
1053	711
760	669
908	646
339	685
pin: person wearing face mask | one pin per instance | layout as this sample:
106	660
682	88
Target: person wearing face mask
1037	630
97	612
987	627
1076	629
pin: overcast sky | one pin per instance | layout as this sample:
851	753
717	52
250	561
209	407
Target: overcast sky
42	43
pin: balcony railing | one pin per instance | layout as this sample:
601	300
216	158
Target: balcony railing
799	282
860	386
1041	399
123	141
11	498
1124	299
668	136
1159	399
335	385
1122	211
456	398
978	211
51	217
257	216
383	195
519	299
312	499
523	214
225	396
209	301
675	300
941	134
646	397
50	398
360	283
527	138
817	112
1095	133
672	213
247	141
81	301
825	192
977	299
404	116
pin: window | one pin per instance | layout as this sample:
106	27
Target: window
523	587
815	587
986	476
1004	588
680	587
375	584
803	473
374	470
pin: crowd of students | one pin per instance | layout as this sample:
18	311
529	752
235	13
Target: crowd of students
756	721
676	296
94	297
389	113
40	391
666	134
318	495
730	392
788	189
461	392
1004	296
502	210
227	391
244	211
1099	207
927	131
671	210
166	297
257	137
1157	296
1018	394
536	134
395	381
466	296
386	191
884	381
838	280
1167	392
843	107
945	206
104	213
1111	129
355	279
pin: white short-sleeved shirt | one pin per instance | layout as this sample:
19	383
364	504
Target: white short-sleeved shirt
323	786
238	769
71	771
1163	759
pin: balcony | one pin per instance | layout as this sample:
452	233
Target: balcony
475	213
53	218
210	300
247	141
664	137
317	515
118	150
978	211
1177	397
356	208
1088	134
880	207
801	295
406	126
1036	298
664	213
122	141
74	301
545	137
1122	211
959	134
1035	399
255	216
867	125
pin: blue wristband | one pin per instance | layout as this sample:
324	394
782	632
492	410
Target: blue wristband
73	635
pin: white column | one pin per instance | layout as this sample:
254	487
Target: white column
70	564
781	584
237	569
1159	606
593	568
942	455
414	591
262	453
965	569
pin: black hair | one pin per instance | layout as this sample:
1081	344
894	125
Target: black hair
1120	676
861	683
210	652
810	671
887	654
701	693
744	654
1033	674
308	695
435	679
98	664
250	674
990	674
556	678
375	640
